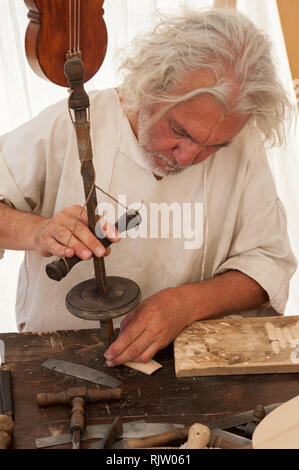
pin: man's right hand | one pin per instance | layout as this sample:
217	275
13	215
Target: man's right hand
53	236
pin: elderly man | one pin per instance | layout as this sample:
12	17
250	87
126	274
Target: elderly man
199	101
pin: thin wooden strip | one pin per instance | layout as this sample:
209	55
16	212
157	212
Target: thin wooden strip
146	368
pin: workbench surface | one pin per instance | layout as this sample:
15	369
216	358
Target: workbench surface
160	397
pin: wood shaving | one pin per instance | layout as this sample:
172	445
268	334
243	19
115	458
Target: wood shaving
146	368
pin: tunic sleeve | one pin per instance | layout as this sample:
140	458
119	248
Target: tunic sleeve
31	161
260	246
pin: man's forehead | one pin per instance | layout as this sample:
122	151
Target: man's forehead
201	78
203	102
205	119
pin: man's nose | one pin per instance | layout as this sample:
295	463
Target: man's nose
185	152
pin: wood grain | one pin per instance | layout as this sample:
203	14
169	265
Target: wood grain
238	346
160	397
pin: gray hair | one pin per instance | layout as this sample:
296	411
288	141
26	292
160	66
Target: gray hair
221	40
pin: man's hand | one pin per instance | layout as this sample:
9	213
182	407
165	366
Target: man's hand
148	328
161	317
53	236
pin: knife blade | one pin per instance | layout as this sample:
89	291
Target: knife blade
81	372
113	432
239	419
5	384
97	431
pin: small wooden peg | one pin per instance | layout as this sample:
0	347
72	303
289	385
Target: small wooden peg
199	436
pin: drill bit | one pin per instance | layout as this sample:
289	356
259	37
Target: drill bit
76	434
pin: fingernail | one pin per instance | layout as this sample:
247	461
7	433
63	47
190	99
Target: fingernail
86	254
100	251
109	363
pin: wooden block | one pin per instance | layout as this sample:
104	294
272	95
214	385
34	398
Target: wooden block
233	346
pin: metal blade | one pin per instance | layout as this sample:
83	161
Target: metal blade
76	439
82	372
114	430
130	430
240	418
235	440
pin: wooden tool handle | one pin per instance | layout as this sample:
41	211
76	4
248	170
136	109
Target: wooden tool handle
65	398
57	270
47	399
199	436
98	395
6	431
5	440
77	419
173	435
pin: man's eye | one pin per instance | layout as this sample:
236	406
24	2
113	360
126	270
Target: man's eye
178	131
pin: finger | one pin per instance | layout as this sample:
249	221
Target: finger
57	249
108	230
77	211
78	236
127	320
84	234
108	251
148	353
124	340
133	350
69	218
64	236
73	247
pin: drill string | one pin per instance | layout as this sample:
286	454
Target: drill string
92	187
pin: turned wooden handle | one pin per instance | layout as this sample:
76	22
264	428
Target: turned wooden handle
98	395
77	419
199	436
5	440
57	270
173	435
47	399
6	431
65	398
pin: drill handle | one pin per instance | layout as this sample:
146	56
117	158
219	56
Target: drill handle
77	415
57	270
47	399
93	396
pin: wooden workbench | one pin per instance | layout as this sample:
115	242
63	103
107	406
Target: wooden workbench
160	397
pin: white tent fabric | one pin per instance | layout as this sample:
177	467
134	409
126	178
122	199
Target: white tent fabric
284	161
23	95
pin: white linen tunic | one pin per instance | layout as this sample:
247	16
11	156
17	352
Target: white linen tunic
244	223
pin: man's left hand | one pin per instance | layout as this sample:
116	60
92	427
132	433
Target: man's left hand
148	328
